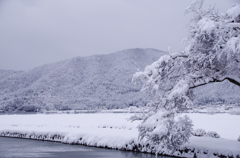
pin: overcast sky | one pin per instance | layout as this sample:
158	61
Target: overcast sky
37	32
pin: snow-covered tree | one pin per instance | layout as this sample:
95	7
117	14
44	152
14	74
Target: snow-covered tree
212	54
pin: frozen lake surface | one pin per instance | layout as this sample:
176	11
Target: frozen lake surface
19	148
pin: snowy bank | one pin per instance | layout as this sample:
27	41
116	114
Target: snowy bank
114	131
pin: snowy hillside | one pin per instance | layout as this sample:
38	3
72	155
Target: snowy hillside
100	81
78	83
217	93
7	73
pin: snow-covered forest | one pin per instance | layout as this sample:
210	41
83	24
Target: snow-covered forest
100	81
95	82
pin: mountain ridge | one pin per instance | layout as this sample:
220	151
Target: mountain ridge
97	81
79	83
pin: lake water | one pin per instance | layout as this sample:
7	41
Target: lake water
19	148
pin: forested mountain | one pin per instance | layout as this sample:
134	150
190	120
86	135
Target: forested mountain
99	81
78	83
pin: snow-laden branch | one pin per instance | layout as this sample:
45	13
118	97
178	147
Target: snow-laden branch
216	80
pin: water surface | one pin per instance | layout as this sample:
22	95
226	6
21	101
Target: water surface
21	148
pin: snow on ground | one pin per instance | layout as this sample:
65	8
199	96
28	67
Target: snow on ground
94	120
227	126
113	130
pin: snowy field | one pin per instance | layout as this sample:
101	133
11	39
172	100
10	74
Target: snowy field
113	130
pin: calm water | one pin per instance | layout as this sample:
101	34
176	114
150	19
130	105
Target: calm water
19	148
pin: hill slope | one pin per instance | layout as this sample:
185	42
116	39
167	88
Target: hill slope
93	82
78	83
7	73
215	93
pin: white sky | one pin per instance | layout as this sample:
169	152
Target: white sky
33	33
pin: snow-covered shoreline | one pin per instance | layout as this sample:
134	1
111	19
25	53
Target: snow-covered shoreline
115	132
